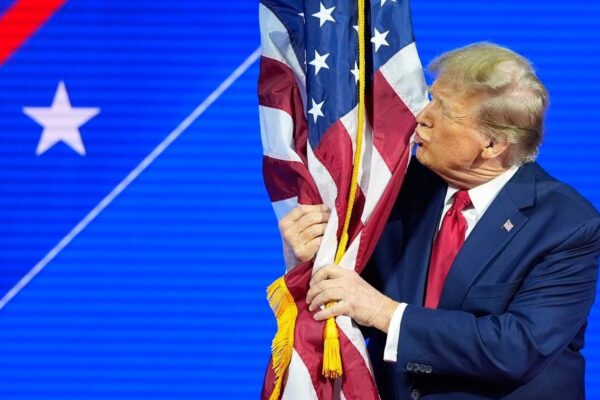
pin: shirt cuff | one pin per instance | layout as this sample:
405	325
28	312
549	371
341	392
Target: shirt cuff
390	354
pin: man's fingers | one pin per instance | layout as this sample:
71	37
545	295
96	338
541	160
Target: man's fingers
298	212
339	308
328	272
318	288
292	216
311	218
313	246
312	232
326	296
314	207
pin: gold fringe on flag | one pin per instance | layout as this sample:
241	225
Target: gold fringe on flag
332	361
284	308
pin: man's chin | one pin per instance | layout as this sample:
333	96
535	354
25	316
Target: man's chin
422	156
426	160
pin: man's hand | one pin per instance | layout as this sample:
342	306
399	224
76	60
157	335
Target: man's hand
355	298
303	228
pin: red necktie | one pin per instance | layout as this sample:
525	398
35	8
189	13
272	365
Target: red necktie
446	246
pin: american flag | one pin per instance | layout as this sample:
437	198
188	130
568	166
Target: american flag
308	111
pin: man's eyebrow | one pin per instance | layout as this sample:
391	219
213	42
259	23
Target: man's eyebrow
433	92
440	99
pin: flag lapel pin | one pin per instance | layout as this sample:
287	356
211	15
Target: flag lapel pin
508	225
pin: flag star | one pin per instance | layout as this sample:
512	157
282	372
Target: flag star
379	39
355	71
302	15
355	27
315	111
383	2
61	122
324	15
319	62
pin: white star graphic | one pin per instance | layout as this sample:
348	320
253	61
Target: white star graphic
324	15
383	2
61	122
379	39
319	62
355	28
355	71
302	15
315	111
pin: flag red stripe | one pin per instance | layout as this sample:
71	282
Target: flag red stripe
285	179
357	381
21	21
269	382
278	88
356	224
336	155
393	123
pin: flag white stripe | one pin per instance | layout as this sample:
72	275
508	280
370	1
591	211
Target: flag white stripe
356	338
377	184
299	386
328	191
350	122
405	74
277	134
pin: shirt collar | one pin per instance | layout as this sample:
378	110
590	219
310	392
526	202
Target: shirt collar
483	195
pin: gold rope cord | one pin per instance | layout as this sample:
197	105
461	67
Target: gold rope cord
332	362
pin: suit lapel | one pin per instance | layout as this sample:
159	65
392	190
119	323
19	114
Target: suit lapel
498	225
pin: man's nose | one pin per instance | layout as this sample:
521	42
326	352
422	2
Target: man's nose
424	118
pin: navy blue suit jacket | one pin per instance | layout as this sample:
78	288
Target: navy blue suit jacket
512	315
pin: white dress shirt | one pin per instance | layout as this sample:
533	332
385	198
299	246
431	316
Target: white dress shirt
481	198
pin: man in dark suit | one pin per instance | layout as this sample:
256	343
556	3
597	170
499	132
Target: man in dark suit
482	281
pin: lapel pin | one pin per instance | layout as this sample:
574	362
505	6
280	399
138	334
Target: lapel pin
508	225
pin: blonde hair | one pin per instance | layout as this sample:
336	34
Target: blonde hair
513	101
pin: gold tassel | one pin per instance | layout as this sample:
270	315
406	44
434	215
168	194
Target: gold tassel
332	362
284	308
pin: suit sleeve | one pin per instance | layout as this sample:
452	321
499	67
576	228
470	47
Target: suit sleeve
546	313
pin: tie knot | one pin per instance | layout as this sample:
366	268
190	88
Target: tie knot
461	200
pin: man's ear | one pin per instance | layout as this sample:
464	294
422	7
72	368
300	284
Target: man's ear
494	149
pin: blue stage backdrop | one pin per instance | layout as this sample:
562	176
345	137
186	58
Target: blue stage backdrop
131	189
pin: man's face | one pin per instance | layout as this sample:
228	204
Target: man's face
449	143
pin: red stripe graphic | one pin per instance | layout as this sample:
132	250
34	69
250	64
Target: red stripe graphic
21	21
